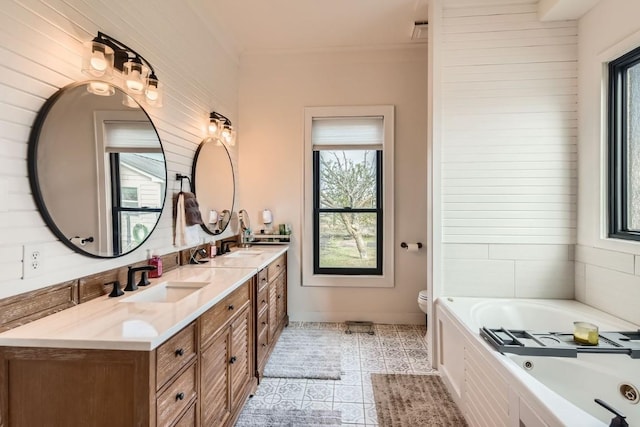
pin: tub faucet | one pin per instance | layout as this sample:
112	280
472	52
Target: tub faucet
619	420
144	278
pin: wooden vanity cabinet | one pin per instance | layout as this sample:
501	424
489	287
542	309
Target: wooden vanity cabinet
75	387
226	358
270	309
201	376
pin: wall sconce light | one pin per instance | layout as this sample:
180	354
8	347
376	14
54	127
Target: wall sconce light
221	129
104	53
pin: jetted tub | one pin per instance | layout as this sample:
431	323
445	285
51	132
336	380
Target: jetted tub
493	389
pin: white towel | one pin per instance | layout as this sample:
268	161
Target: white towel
184	236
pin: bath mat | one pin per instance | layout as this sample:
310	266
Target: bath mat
251	417
414	400
306	353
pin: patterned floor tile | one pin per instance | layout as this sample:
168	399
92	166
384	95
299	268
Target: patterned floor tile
352	413
392	349
370	414
321	392
348	393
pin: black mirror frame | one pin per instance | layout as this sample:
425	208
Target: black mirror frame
32	169
233	179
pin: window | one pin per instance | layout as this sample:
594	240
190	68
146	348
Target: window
132	221
134	180
348	196
624	146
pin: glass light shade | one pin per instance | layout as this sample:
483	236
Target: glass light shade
215	127
97	60
227	135
101	88
153	92
135	76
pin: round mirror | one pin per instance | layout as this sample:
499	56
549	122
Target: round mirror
213	184
97	169
245	221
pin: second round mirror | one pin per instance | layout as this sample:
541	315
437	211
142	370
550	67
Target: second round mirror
213	184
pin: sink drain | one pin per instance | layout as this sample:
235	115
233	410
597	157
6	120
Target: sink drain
528	365
629	392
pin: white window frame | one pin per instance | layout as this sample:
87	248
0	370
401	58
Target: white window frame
387	279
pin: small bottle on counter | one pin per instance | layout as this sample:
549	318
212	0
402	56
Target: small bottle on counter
213	250
156	261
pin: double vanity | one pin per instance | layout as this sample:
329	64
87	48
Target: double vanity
185	351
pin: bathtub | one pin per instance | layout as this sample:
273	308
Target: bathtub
493	389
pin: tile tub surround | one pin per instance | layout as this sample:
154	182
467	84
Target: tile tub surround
393	349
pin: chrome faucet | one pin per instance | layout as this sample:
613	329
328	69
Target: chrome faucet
144	278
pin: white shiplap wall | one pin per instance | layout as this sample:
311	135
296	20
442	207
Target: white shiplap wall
40	51
509	128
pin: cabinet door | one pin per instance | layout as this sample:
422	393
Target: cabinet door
214	381
240	355
273	310
281	297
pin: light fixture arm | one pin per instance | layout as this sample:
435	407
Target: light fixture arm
220	117
119	49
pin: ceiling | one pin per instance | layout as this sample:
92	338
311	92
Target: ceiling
259	25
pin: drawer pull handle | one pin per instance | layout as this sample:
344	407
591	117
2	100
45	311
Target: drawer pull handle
230	307
264	301
180	396
264	344
179	352
264	279
232	360
264	323
278	296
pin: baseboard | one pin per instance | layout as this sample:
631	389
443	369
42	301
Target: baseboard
389	318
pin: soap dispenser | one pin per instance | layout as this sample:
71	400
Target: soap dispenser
156	261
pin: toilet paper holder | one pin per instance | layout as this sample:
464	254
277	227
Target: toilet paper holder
404	245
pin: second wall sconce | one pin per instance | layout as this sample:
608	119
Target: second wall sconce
104	53
220	128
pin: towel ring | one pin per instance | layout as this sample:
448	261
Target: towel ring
181	177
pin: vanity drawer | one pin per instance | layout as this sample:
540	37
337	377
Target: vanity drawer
263	321
177	352
189	418
263	346
263	298
277	266
214	318
262	278
177	397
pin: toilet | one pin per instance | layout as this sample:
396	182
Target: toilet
423	302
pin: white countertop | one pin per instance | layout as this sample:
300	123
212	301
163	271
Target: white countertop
246	257
115	324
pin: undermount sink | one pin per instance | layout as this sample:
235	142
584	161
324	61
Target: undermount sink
166	292
244	253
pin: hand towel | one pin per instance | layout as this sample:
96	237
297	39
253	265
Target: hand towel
192	209
183	235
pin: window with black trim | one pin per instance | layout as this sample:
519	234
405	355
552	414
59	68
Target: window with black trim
624	146
347	195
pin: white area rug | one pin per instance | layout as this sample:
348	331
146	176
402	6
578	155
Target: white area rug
306	353
288	417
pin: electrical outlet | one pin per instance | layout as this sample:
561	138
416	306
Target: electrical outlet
32	261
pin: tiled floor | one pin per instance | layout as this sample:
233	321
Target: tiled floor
393	349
